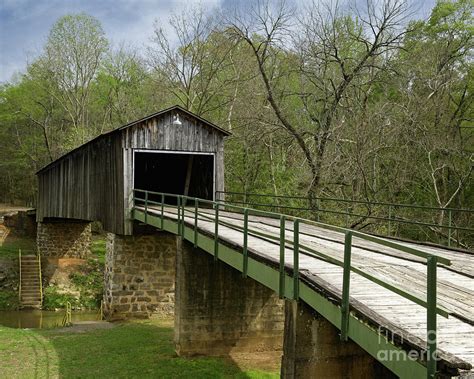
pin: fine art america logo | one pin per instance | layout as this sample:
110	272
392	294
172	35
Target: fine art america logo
385	355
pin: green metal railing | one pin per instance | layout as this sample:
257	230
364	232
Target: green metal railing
195	213
389	219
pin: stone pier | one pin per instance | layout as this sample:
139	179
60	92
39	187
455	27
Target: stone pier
63	244
64	238
313	349
139	275
218	312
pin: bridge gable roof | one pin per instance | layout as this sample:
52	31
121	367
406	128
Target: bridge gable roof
174	108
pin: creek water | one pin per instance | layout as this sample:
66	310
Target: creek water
41	319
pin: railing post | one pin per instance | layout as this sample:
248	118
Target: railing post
346	278
184	200
162	209
296	251
449	226
281	291
432	262
178	213
195	222
146	206
245	253
347	215
216	232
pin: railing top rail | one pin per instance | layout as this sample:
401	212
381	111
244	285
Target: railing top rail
368	237
332	211
380	240
400	205
156	193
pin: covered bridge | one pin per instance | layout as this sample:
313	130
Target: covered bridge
172	151
330	301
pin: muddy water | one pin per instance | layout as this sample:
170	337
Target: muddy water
41	319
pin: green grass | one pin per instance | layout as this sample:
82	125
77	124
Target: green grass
88	280
11	245
8	299
98	248
134	350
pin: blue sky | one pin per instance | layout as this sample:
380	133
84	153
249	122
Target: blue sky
24	24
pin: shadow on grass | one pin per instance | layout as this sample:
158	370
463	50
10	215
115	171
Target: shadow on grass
131	351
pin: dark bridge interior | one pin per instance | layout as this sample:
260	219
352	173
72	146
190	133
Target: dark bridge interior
175	173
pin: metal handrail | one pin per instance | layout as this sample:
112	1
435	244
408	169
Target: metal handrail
19	286
325	210
432	260
398	205
450	227
40	278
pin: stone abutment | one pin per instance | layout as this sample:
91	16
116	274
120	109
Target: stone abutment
218	312
139	275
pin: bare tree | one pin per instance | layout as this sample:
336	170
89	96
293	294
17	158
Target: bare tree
333	54
190	65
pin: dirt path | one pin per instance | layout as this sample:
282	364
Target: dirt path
7	208
86	326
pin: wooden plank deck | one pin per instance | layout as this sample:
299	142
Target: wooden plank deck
400	315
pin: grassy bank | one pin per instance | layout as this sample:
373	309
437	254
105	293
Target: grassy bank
9	269
139	349
12	244
87	280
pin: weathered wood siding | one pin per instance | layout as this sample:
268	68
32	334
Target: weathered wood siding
95	181
86	184
159	133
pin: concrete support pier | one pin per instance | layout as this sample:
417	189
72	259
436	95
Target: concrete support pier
139	275
313	349
218	312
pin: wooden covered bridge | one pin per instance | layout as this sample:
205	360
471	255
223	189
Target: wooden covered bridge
333	302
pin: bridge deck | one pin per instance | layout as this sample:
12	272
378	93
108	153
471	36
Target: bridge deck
398	315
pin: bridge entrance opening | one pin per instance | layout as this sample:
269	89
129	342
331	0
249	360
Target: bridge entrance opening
189	174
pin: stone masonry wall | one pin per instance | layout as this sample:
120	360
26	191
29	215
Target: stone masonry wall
313	349
21	223
139	275
218	312
64	239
